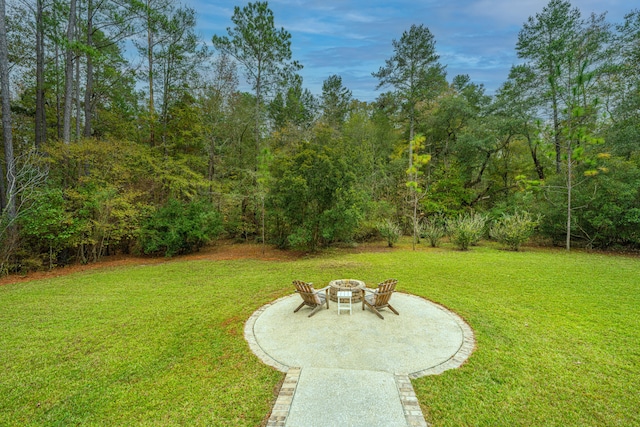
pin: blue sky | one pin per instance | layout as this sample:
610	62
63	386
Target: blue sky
352	38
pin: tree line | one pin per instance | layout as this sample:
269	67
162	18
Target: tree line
123	132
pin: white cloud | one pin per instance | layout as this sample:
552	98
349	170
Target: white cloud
312	26
360	17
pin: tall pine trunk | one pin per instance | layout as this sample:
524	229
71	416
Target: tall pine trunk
152	112
58	95
3	194
77	98
556	132
569	188
413	177
88	91
259	153
68	74
166	95
7	136
41	119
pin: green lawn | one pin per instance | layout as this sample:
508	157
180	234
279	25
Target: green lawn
558	339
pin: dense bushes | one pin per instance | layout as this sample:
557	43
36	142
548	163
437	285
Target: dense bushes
47	228
313	200
178	228
102	198
85	228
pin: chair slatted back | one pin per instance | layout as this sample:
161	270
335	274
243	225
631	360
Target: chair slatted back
384	291
306	291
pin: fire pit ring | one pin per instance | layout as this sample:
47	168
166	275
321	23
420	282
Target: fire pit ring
353	285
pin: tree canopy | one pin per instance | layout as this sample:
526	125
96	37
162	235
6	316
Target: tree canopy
104	145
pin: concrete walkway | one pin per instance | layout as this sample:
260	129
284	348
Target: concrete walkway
355	370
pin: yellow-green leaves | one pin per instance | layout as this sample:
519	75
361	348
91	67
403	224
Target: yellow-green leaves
416	162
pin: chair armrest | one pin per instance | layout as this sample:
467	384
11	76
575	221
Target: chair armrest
373	291
319	291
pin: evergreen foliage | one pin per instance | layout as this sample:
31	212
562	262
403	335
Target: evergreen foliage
313	200
180	228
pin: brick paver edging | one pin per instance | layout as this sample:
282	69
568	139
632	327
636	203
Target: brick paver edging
250	336
410	405
280	411
464	351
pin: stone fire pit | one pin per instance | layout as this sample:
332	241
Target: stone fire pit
352	285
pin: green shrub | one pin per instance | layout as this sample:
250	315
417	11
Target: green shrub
314	198
178	228
513	230
390	231
466	229
374	213
367	231
433	230
47	227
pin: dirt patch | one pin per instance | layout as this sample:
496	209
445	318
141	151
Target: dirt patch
223	251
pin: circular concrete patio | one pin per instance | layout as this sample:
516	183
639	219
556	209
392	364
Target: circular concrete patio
424	339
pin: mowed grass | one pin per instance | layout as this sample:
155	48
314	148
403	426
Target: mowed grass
558	339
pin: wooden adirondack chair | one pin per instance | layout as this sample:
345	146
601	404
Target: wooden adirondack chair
311	297
378	298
